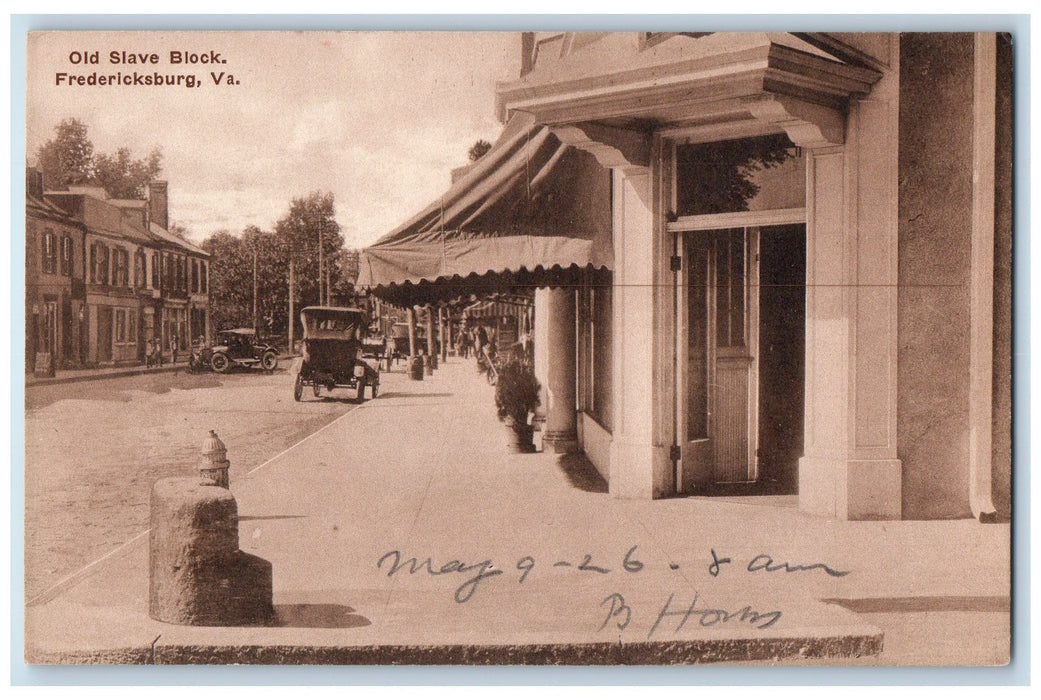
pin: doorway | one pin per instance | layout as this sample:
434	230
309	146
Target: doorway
740	351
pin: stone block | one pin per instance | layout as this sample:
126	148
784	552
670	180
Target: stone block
197	575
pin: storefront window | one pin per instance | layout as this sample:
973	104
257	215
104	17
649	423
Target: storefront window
754	174
595	317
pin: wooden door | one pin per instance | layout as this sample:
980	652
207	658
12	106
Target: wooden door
718	392
104	334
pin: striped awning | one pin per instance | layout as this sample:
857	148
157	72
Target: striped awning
528	213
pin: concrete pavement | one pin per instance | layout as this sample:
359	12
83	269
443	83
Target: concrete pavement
404	533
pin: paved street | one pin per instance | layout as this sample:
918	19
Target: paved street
94	449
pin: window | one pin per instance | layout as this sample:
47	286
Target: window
121	325
752	174
131	326
66	256
202	282
195	276
99	263
139	268
50	253
730	289
156	270
121	268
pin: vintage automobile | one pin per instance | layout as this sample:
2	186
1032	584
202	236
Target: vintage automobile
399	340
333	353
236	347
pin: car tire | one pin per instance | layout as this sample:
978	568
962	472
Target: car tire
375	390
361	390
269	361
298	388
219	363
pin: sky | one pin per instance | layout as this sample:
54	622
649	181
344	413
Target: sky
377	118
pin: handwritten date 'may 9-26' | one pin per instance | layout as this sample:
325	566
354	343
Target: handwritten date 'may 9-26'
485	569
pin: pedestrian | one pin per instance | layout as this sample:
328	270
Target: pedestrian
173	349
158	344
464	343
149	352
388	350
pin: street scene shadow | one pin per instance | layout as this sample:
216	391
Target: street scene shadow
317	616
581	473
920	604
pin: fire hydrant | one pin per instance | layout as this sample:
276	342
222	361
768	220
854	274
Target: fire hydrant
214	464
197	573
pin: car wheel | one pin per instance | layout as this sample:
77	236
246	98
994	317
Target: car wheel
375	390
219	363
298	388
361	391
269	361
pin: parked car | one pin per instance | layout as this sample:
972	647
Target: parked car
237	347
333	353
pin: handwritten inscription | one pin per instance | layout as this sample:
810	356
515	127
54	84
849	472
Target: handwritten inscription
465	590
621	613
474	573
765	562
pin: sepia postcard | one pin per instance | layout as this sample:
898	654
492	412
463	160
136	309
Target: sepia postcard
509	347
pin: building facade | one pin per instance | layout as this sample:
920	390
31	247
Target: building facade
140	280
810	290
54	283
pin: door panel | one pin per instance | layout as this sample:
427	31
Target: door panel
732	453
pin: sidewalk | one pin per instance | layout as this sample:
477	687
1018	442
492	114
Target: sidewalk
531	561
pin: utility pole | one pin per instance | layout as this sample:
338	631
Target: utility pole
321	297
256	321
291	314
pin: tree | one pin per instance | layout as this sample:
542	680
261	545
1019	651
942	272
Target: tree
126	178
231	279
68	158
477	150
309	220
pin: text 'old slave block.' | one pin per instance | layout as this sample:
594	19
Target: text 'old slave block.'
197	573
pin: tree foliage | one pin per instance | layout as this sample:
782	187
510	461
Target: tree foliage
296	234
69	159
477	150
123	177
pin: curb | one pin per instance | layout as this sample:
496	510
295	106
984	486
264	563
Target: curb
132	372
657	653
129	372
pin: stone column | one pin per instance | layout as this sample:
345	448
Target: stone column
644	380
850	468
431	341
411	331
560	433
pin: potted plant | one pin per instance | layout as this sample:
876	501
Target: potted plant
516	396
